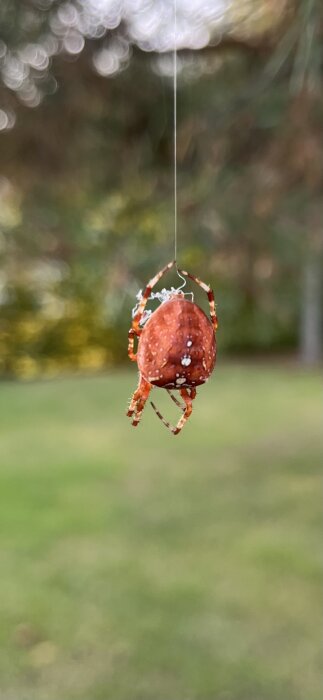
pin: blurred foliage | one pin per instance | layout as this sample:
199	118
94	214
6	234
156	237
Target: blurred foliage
86	196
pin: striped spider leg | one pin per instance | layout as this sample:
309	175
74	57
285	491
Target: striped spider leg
142	392
188	395
210	295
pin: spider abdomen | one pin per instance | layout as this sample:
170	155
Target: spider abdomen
177	346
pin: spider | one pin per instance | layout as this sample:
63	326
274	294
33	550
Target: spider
176	348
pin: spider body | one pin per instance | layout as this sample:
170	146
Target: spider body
176	349
177	346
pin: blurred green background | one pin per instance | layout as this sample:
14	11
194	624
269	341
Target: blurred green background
136	566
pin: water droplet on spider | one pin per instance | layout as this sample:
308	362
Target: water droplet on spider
186	361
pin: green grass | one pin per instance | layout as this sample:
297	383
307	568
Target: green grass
139	566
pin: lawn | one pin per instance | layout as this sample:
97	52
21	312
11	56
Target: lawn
140	566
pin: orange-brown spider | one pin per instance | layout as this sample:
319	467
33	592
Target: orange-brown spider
176	348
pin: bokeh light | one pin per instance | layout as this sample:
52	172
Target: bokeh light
149	25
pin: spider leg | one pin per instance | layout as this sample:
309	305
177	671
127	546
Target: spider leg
135	329
138	316
131	342
168	425
188	398
138	400
210	295
178	403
